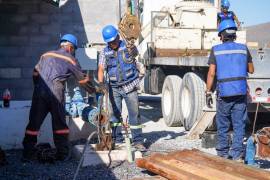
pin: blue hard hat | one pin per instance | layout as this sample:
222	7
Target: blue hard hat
226	24
225	4
109	33
70	38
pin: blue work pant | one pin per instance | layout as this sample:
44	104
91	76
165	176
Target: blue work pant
131	99
231	110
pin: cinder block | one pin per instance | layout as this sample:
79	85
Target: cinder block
11	51
22	83
23	94
35	50
27	72
18	40
93	158
40	18
4	41
8	8
38	40
29	29
79	129
50	29
29	8
22	62
19	19
61	19
10	72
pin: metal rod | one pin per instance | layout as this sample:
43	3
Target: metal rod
120	10
255	118
84	149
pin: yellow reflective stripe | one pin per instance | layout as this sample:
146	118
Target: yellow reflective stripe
116	124
137	127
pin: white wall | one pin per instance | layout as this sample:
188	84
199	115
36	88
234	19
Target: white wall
13	121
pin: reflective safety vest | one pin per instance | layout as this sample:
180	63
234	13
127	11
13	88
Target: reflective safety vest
231	63
120	67
228	15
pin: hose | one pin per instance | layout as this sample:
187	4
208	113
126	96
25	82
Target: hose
84	149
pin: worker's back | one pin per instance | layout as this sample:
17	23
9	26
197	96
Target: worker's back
55	69
231	62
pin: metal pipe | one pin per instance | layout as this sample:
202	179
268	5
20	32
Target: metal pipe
119	10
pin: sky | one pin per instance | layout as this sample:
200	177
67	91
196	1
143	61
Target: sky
251	12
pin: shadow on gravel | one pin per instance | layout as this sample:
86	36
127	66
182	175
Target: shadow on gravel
16	170
150	107
152	137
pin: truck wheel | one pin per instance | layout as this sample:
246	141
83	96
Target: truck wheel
192	99
169	100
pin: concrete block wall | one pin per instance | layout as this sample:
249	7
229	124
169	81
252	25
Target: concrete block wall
29	28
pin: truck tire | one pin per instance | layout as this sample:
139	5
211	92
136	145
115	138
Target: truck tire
169	100
192	99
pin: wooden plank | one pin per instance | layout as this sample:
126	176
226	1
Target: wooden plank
194	164
180	52
223	164
211	171
197	169
150	178
164	170
201	124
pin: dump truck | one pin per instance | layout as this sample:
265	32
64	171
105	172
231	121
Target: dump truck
175	43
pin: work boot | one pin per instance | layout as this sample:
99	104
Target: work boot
45	153
28	156
239	159
63	154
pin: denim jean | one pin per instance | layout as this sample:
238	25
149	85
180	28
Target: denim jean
131	99
231	110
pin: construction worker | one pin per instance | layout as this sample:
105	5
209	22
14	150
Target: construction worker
120	64
49	76
226	14
230	62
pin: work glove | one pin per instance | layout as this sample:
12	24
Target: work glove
87	85
101	88
209	99
132	51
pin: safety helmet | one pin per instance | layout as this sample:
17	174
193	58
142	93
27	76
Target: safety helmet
70	38
226	24
109	33
225	4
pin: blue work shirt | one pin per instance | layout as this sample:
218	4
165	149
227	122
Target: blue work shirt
54	71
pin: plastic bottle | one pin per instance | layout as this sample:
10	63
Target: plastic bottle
6	98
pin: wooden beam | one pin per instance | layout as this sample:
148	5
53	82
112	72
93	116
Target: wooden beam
194	164
180	52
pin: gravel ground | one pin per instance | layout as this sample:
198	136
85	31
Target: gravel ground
159	138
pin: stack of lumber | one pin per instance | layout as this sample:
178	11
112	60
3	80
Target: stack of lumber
194	164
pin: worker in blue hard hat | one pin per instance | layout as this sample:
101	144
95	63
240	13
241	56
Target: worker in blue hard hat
49	76
226	14
119	62
230	63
